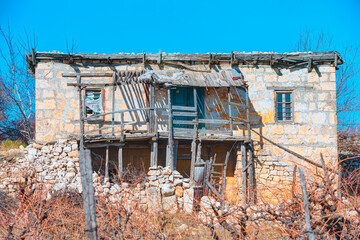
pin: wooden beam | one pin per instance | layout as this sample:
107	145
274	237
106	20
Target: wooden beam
309	230
244	174
86	176
170	157
230	113
120	160
251	174
106	179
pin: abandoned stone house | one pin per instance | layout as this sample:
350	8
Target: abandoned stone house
176	110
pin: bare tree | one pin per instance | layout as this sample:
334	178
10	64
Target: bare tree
17	87
347	96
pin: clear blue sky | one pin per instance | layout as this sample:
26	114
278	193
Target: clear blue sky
182	26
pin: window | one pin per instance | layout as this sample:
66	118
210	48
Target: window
284	106
93	101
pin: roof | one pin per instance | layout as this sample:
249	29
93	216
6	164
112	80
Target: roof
290	60
223	78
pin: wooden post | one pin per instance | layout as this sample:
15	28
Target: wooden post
120	160
176	145
154	153
113	106
152	105
198	152
244	177
251	174
86	176
122	126
193	144
223	186
106	179
170	157
311	234
230	111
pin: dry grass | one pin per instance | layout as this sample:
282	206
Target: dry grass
32	214
10	144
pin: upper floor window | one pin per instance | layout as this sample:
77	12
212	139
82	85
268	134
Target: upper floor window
284	106
93	101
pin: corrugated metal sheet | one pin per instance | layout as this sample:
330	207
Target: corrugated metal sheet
223	78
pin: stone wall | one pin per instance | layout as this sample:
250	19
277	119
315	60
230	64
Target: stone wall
313	130
55	167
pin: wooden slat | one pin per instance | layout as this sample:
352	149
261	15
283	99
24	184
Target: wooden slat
184	114
184	122
183	108
214	121
214	132
238	105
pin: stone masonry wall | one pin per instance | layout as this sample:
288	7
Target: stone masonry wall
313	130
55	167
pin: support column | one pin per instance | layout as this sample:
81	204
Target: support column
170	156
154	153
86	176
106	179
120	160
244	173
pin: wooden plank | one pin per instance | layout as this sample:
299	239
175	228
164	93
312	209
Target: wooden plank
214	121
184	108
238	105
198	152
218	132
88	195
184	114
113	106
106	179
86	176
244	177
184	122
170	158
176	144
223	187
310	233
120	160
230	111
195	136
251	174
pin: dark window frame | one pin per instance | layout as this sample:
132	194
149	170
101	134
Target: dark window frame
284	107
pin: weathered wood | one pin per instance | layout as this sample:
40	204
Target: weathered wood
106	179
122	126
198	152
176	144
223	187
230	112
113	106
86	176
238	105
184	114
170	157
120	160
244	174
154	153
310	233
152	106
88	194
102	145
264	58
251	174
219	132
184	108
195	135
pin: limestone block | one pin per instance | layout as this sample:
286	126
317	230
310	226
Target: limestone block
153	199
188	199
169	204
179	191
167	190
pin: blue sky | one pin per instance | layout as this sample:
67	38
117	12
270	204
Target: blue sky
182	26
